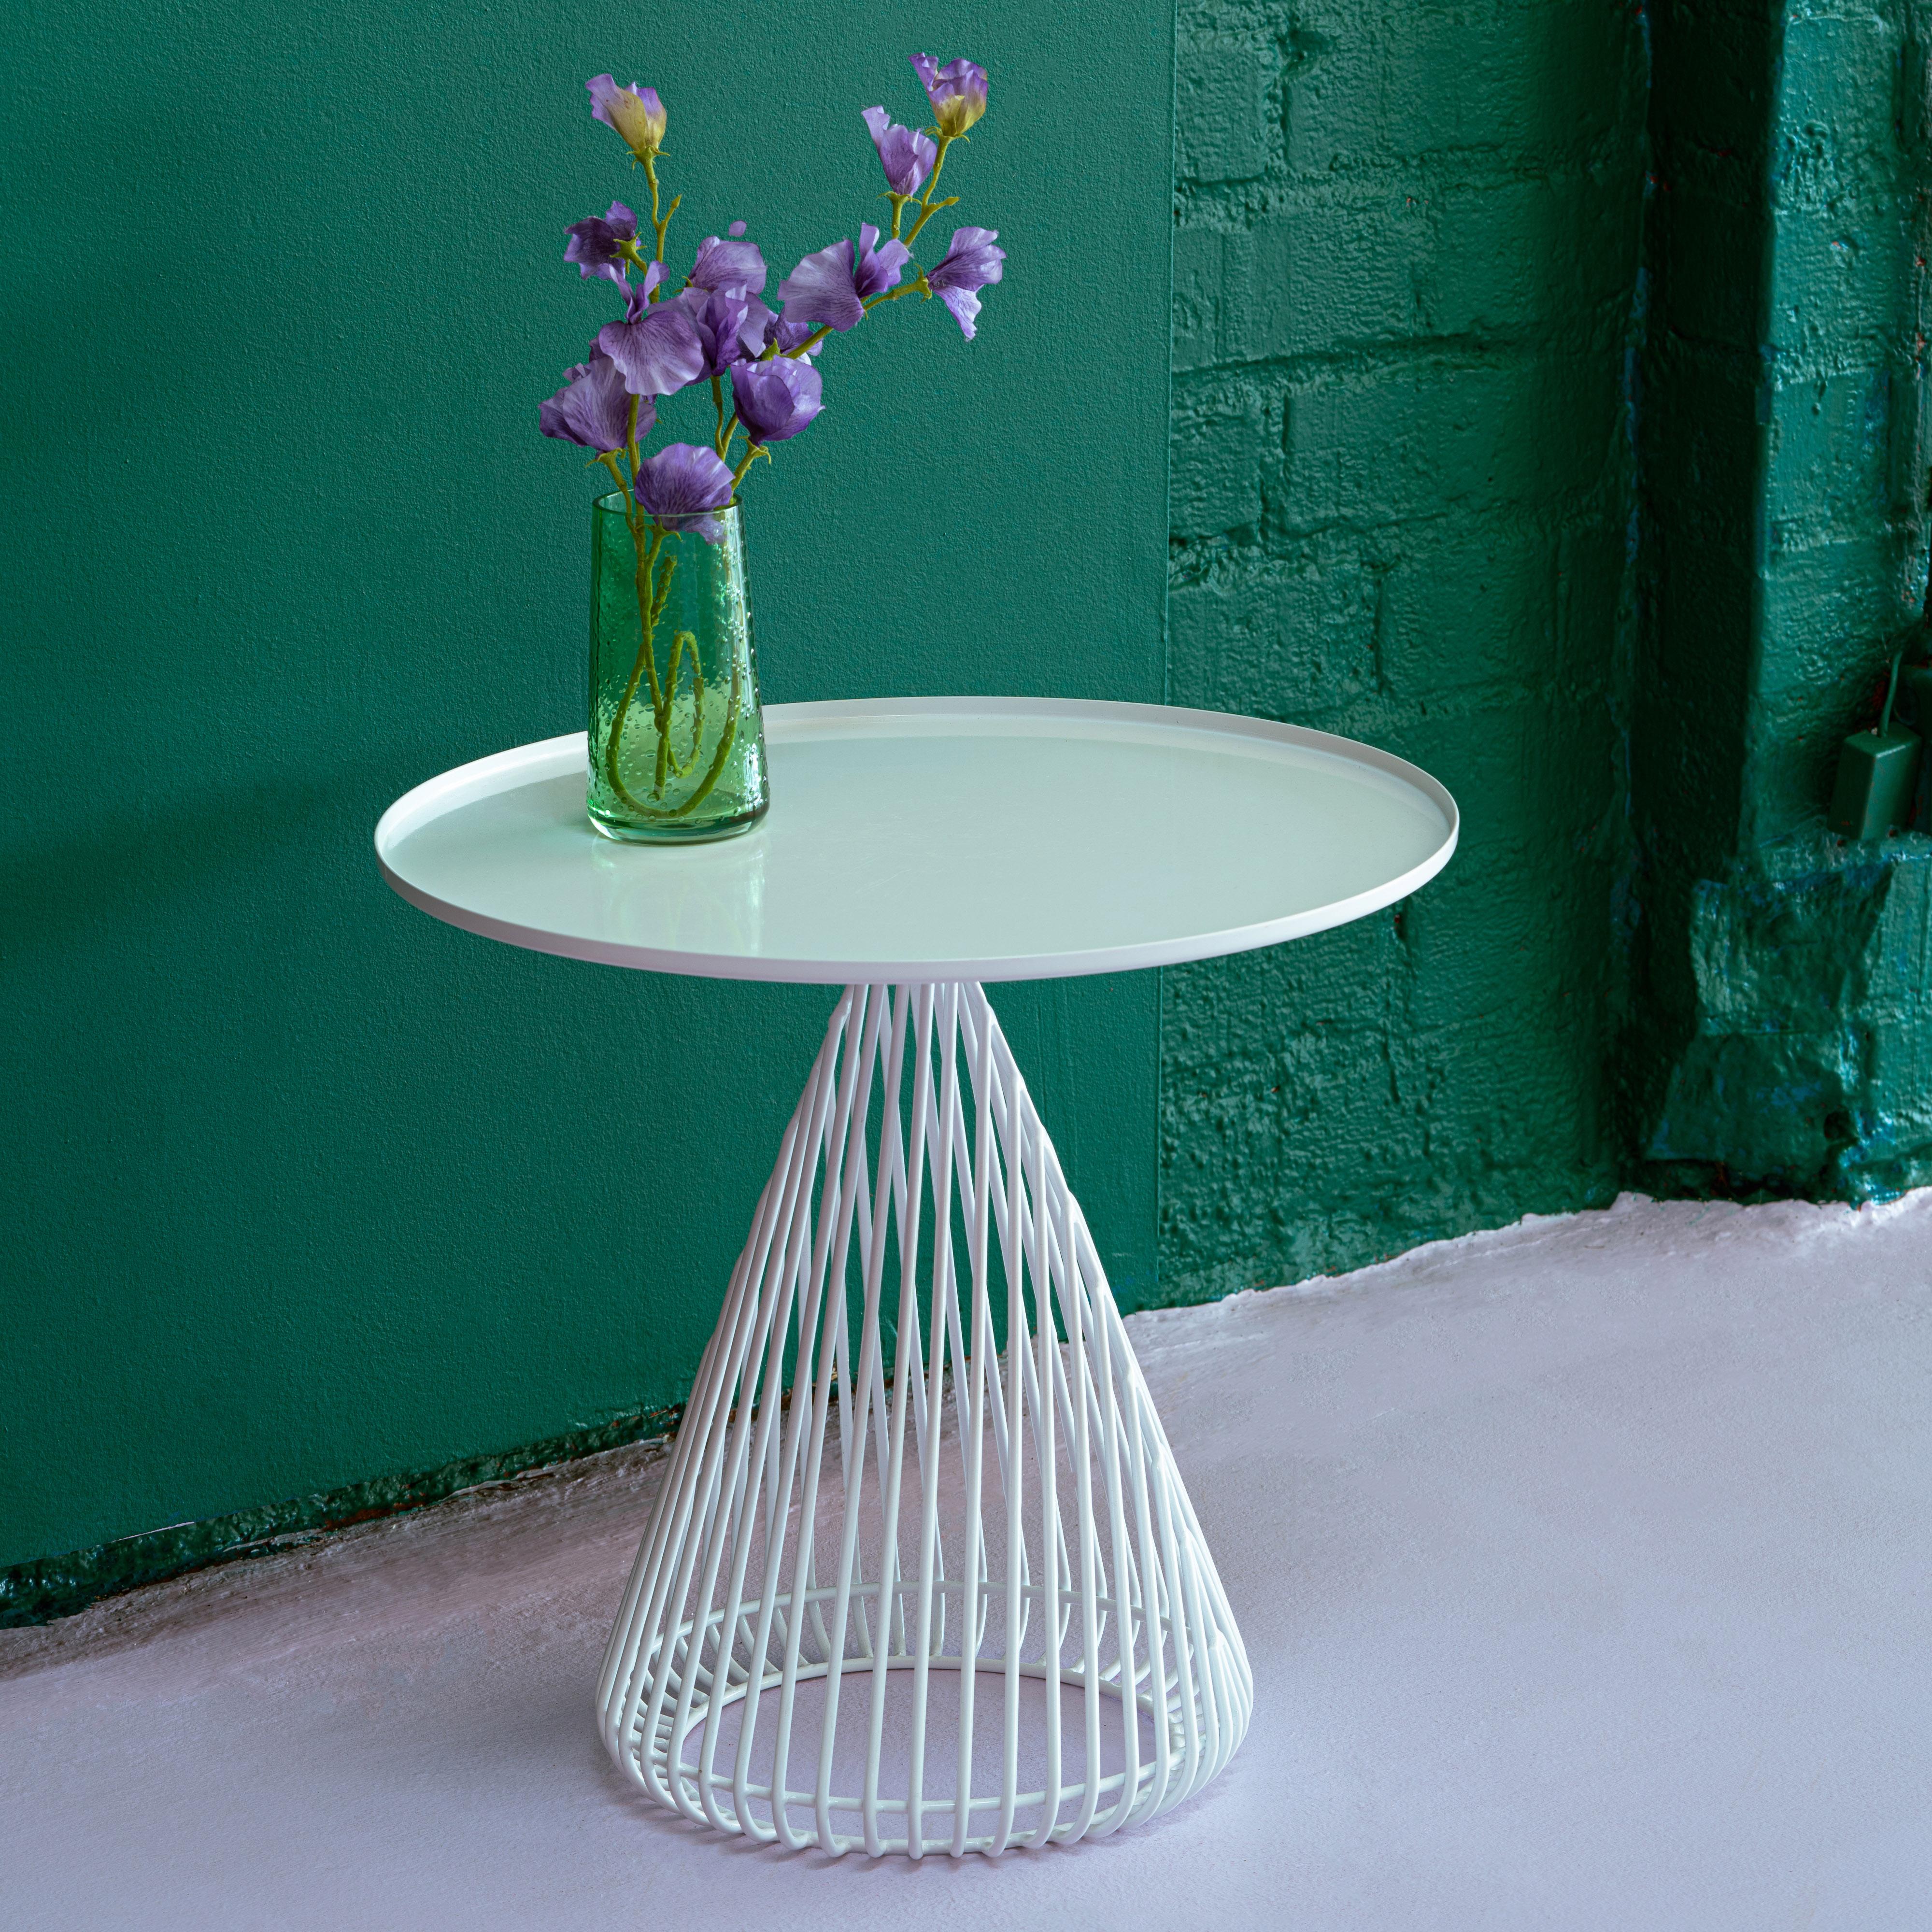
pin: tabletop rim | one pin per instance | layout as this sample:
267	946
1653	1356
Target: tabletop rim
413	809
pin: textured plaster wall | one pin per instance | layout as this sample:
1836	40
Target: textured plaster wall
1407	246
1784	1039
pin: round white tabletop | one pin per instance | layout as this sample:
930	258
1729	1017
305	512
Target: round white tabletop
915	839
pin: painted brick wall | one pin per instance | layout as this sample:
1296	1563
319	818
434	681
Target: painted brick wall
1407	242
1786	1038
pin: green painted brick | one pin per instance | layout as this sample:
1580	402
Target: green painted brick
1901	966
1898	1079
1479	612
1593	580
1833	463
1517	255
1841	95
1214	474
1527	772
1325	275
1524	82
1831	608
1764	1105
1345	270
1290	642
1200	295
1833	613
1708	258
1711	87
1473	437
1785	956
1843	284
1702	477
1507	939
1428	295
1224	93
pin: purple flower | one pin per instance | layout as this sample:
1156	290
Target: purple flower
595	409
636	113
957	92
656	348
970	263
680	483
829	286
729	265
719	317
777	399
594	244
906	156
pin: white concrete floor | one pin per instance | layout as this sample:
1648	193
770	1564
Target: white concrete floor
1584	1568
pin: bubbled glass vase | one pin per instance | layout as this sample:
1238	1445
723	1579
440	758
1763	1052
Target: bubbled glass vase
677	743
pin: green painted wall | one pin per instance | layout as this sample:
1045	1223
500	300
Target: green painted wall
1404	266
1784	1041
306	1190
1548	405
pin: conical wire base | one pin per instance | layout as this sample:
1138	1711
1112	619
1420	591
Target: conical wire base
922	1576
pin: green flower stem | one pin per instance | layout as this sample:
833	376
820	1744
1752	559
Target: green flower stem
662	224
810	343
723	750
667	764
927	207
650	605
690	638
751	455
916	287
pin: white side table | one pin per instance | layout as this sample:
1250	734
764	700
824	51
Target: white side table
919	1442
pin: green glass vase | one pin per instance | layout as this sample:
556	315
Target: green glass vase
677	741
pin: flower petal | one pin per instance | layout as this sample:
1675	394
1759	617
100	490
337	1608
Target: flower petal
594	408
776	399
731	264
820	289
680	483
657	349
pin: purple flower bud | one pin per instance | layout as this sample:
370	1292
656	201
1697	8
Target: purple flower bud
680	485
906	156
595	409
828	286
957	92
970	263
777	399
737	229
594	244
656	348
728	265
636	113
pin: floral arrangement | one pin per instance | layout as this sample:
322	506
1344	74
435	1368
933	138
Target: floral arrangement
715	327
